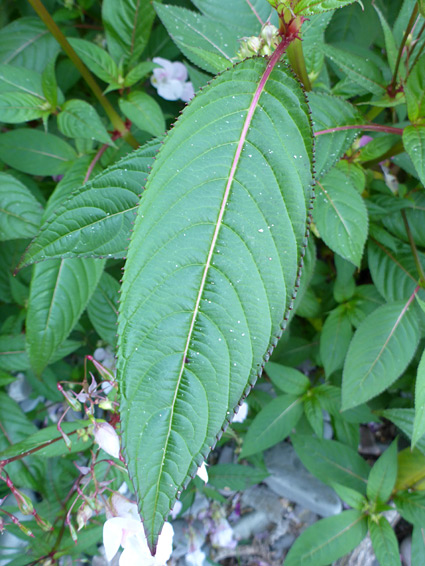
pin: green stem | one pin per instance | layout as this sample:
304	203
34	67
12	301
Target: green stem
410	25
114	117
416	58
414	250
394	150
296	58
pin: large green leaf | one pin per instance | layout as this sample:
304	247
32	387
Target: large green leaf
414	143
13	356
208	45
329	112
418	545
341	216
307	7
419	424
411	506
332	462
128	25
329	539
27	42
222	220
272	424
96	219
415	214
383	475
60	290
18	107
18	79
20	212
35	152
381	349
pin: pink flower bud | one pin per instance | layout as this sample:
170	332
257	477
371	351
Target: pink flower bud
107	438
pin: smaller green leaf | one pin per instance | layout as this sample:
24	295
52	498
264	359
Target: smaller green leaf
352	497
415	91
18	107
144	111
411	507
361	71
332	462
49	84
234	477
414	143
13	356
341	216
308	7
103	308
97	60
207	45
314	414
328	539
79	119
404	419
139	72
35	152
419	423
381	349
20	212
383	475
272	424
384	542
418	540
334	340
365	300
287	379
390	44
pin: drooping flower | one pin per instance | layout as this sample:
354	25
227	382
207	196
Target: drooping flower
202	472
241	414
195	558
222	536
107	438
126	530
170	80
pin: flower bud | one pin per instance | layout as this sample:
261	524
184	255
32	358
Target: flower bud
254	44
85	512
107	438
269	34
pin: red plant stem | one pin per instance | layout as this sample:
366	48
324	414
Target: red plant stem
95	160
391	90
365	127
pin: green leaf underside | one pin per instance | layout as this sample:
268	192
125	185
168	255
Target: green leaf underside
96	219
381	349
328	539
228	201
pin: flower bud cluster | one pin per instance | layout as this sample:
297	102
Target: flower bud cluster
264	44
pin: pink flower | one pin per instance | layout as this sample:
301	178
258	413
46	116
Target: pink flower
170	80
202	472
241	414
107	438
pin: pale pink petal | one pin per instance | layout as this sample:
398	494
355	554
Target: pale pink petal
165	545
165	64
112	536
195	558
107	438
176	509
188	92
120	506
202	473
179	72
171	90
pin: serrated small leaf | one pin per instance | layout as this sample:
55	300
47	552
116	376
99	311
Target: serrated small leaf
49	84
381	349
234	261
384	542
341	216
361	71
18	107
78	119
234	476
332	462
128	25
97	218
419	423
20	212
383	475
414	143
390	44
287	379
272	424
353	498
334	340
103	308
35	152
59	293
207	45
96	59
307	7
144	111
313	412
329	112
328	539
